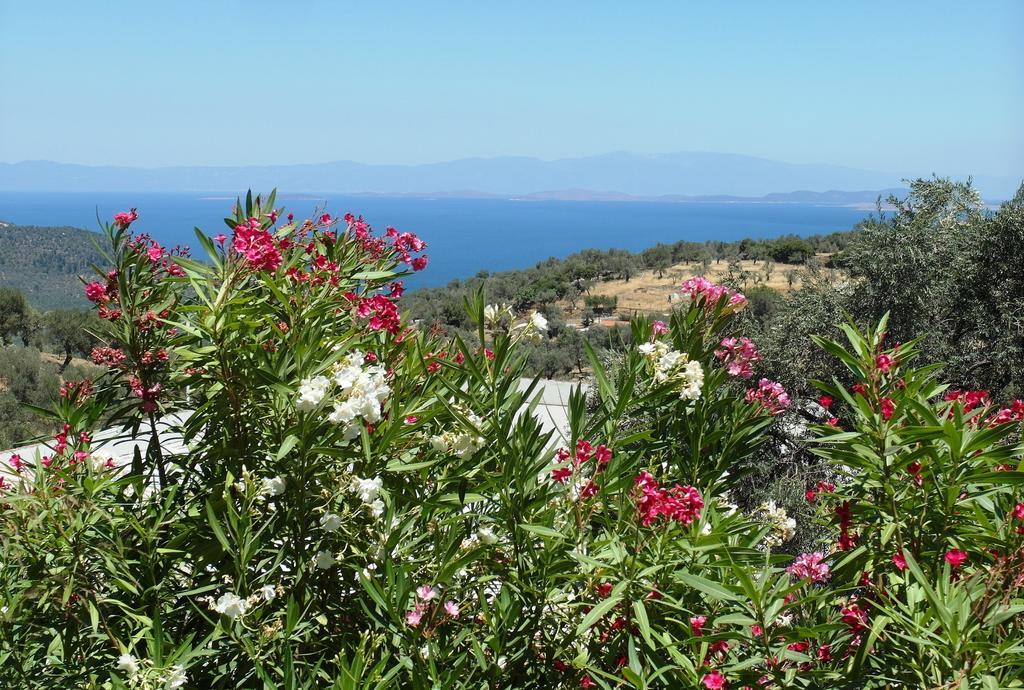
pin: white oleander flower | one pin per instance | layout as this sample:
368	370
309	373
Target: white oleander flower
362	391
538	321
330	522
273	486
231	605
176	677
352	430
368	489
128	664
668	365
344	412
465	445
268	592
377	508
784	619
693	380
782	528
324	560
669	361
486	535
312	392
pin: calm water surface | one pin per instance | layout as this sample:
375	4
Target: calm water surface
464	235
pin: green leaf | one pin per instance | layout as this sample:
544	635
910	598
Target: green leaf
218	531
640	616
287	445
597	613
373	275
542	531
937	604
710	588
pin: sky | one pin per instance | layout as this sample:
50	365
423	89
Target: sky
914	87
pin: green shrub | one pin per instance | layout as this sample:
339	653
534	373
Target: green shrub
362	504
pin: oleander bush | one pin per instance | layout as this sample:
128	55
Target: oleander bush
364	505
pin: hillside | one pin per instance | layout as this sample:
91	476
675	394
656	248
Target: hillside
650	291
45	263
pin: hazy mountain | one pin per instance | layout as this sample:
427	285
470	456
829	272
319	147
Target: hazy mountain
688	174
830	198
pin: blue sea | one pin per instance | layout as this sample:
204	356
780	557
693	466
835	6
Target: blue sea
464	235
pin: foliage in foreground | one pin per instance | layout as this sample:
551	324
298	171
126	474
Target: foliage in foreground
362	505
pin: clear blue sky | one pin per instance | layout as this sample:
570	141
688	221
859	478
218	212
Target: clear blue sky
914	87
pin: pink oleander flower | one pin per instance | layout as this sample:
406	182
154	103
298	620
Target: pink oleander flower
771	396
257	245
884	363
451	608
561	474
148	395
1005	415
888	408
414	617
899	561
810	566
680	504
658	328
382	313
426	592
956	558
714	681
96	292
699	287
697	625
126	218
738	355
969	399
854	616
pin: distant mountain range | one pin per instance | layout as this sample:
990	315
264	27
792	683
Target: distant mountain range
864	198
671	176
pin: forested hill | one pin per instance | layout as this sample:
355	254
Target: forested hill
45	263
